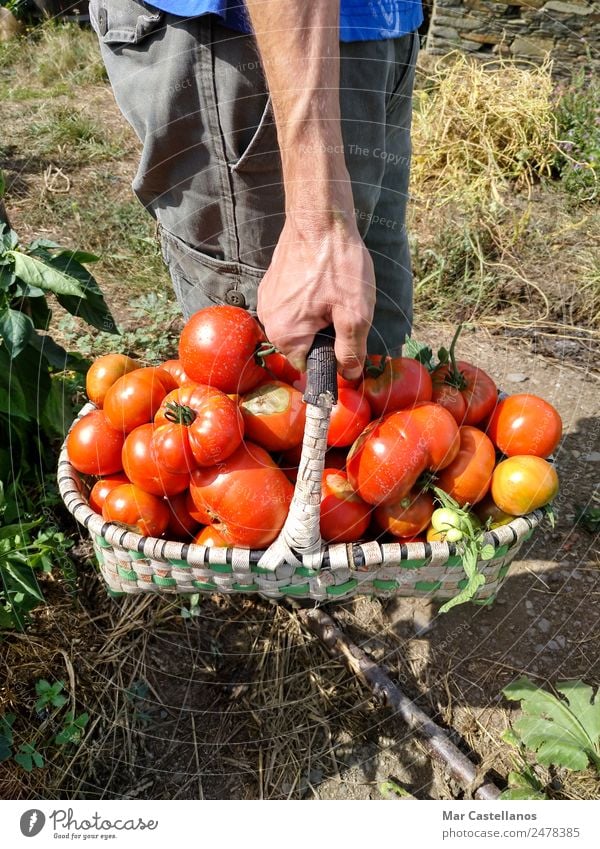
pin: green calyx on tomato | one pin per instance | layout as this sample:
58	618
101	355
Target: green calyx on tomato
179	413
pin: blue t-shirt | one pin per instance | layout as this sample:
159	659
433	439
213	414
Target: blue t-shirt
360	20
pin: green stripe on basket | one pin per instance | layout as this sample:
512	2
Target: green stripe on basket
99	556
137	555
163	582
306	572
200	585
428	586
503	570
102	542
114	593
528	534
181	564
385	585
484	601
126	574
295	589
245	588
454	560
500	552
341	589
412	564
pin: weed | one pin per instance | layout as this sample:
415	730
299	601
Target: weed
73	137
578	117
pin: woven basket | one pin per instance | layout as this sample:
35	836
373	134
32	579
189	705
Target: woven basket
298	564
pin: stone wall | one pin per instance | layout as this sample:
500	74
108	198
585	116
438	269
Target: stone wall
568	30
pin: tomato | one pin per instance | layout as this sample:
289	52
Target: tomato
394	384
406	517
199	425
198	514
136	509
525	424
181	525
94	446
349	417
160	374
134	398
102	487
176	370
469	393
523	483
213	536
105	371
248	493
274	416
290	460
218	347
344	515
142	468
467	478
385	461
488	512
281	368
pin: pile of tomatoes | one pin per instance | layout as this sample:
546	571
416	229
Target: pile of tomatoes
205	448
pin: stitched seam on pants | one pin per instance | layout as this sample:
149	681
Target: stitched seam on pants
219	147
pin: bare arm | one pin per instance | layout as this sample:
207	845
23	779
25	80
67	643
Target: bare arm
321	272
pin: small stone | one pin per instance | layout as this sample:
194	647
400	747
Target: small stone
517	377
593	457
544	625
552	645
540	647
567	8
562	641
531	46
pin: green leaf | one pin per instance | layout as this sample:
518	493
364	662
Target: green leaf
475	579
34	378
15	329
10	531
486	552
36	272
7	277
25	761
23	577
418	351
57	356
80	257
93	309
564	732
42	243
57	412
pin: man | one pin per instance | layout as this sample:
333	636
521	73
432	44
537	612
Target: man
276	163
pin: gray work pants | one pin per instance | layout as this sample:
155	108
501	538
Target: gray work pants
210	171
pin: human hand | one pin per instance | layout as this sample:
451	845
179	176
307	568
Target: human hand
320	274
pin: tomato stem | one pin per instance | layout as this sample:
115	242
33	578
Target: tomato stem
375	369
263	350
455	377
179	413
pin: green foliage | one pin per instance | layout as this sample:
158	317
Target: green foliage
35	404
49	695
78	137
561	731
58	730
523	784
578	118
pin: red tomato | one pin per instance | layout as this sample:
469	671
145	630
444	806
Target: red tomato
105	371
134	399
406	517
176	370
525	424
212	536
248	493
181	524
198	514
218	347
385	461
202	426
523	483
488	512
137	510
101	489
344	515
468	477
274	416
289	461
281	368
142	468
470	394
94	446
349	417
394	384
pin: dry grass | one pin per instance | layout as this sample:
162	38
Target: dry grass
477	129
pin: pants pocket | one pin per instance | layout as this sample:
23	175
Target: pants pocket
124	21
201	281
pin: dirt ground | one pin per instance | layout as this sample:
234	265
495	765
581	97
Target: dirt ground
235	700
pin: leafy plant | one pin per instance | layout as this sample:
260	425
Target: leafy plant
561	731
28	757
578	118
49	695
72	730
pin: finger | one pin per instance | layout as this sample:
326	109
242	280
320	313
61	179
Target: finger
350	346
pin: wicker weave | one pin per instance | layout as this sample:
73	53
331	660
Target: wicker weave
297	564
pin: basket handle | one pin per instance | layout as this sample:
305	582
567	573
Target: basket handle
299	543
321	370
